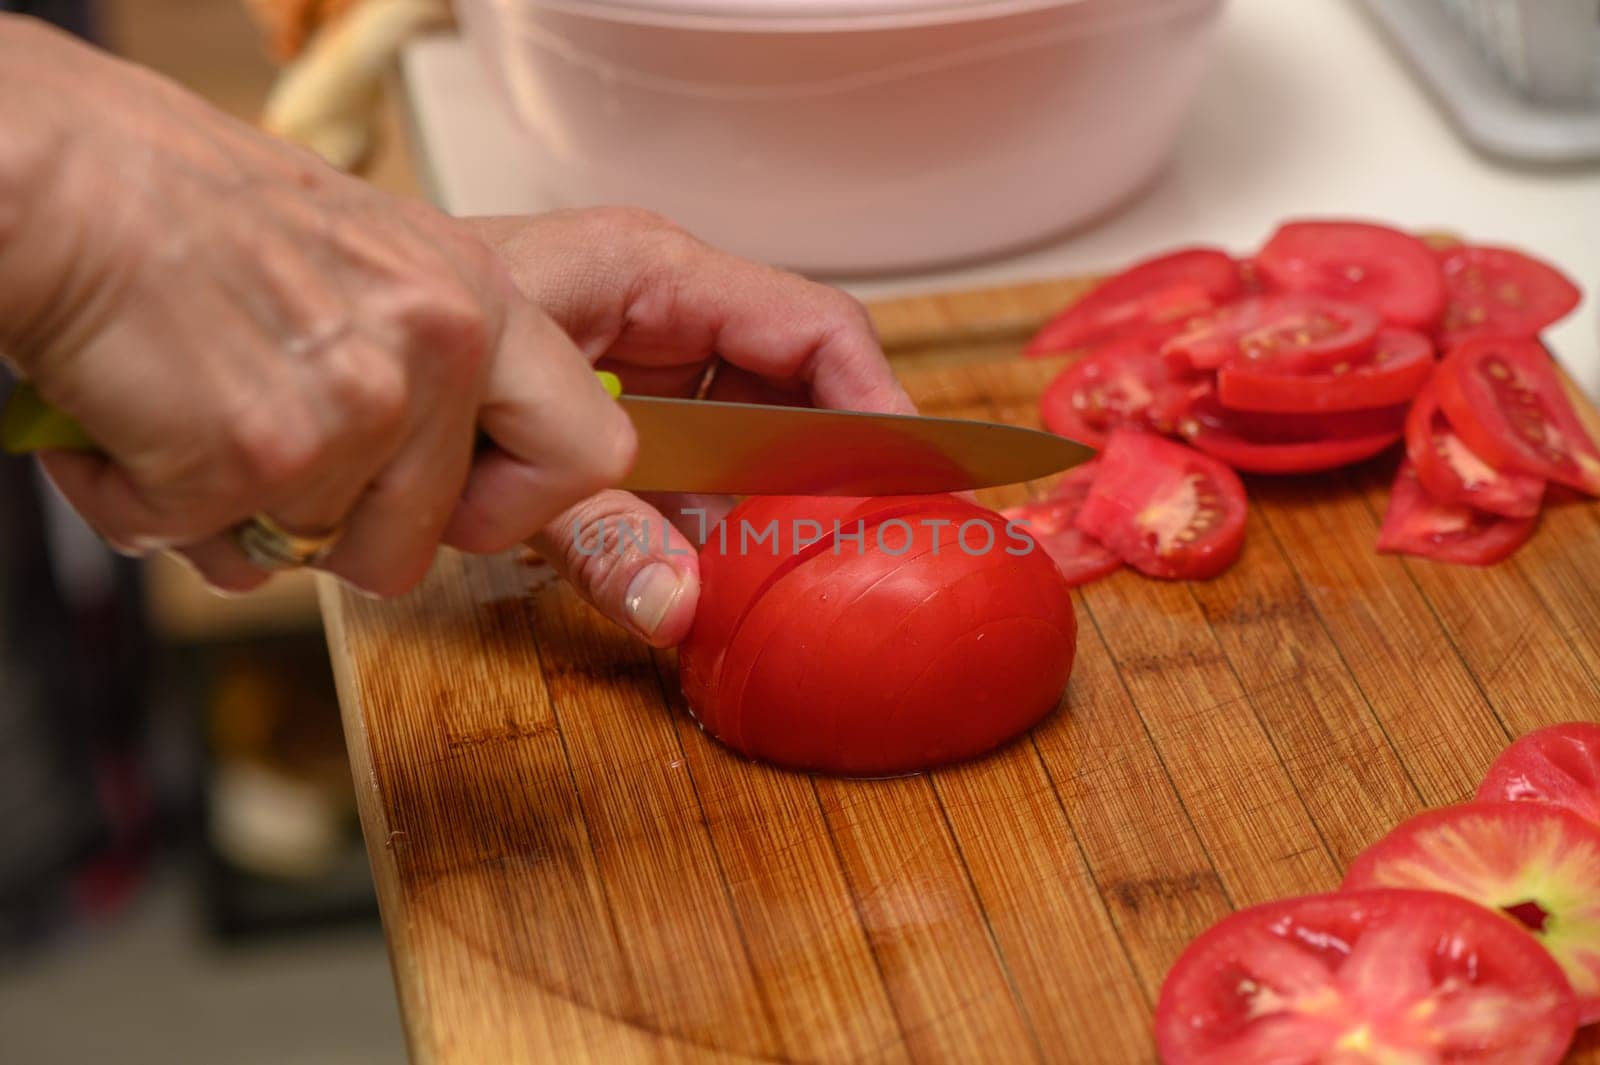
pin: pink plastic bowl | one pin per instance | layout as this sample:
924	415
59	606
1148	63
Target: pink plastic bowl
848	136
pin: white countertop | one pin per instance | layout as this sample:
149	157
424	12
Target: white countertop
1306	113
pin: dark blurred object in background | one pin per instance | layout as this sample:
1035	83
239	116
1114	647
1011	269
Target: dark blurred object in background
75	16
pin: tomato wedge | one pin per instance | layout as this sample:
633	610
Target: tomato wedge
1287	443
1505	398
1539	864
1120	384
1080	557
1283	333
1500	292
1417	524
1400	364
1166	510
1391	271
1363	978
1153	299
1452	473
1559	764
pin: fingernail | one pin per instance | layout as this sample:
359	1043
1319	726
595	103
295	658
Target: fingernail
651	595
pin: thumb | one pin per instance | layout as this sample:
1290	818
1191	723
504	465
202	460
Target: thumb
629	562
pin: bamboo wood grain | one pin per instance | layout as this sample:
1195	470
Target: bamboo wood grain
570	870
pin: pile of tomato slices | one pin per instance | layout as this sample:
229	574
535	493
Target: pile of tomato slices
1332	344
1468	934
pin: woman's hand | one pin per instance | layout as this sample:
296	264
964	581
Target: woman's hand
244	330
653	304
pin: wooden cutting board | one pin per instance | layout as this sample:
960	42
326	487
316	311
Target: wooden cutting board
571	871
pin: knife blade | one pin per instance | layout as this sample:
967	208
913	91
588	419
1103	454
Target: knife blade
722	448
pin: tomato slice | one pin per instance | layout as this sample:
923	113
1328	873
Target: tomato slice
1539	864
1153	298
1417	524
1363	978
1283	333
1287	443
1500	292
1120	384
1400	364
1166	510
1505	398
1558	765
1080	557
1452	473
1391	271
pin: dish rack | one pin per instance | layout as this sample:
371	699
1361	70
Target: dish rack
1518	78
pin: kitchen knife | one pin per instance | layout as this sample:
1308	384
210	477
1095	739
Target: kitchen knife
688	445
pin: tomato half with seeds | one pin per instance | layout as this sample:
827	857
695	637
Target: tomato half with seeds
1258	442
1399	365
1500	292
1390	271
1152	299
1506	399
1417	524
1283	332
1452	472
1051	521
1165	509
1538	864
1379	977
1120	384
1559	765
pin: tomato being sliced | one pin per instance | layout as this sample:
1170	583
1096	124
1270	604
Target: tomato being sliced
1391	271
1452	473
1505	398
1080	557
1417	524
1500	292
1287	443
1538	864
1400	363
1284	333
1559	764
1166	510
1120	384
1152	299
1364	978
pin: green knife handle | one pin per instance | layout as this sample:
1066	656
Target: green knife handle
30	423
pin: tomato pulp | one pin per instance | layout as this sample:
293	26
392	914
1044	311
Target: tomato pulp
1390	271
1452	473
1559	764
1500	292
1150	300
1417	524
1051	521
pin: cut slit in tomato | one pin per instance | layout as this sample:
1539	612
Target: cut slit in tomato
1453	474
1285	333
1288	443
1400	364
1506	399
1390	271
1417	524
1051	521
1365	976
1500	292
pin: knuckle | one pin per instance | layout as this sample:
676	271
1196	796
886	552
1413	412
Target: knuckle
371	384
451	327
271	445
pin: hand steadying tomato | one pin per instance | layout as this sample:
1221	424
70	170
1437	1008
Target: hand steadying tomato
1400	363
1452	473
1120	384
1281	333
1051	521
1417	524
1365	978
1392	272
1506	399
1149	301
1500	292
1166	510
1559	765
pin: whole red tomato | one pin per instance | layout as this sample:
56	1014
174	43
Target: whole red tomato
868	637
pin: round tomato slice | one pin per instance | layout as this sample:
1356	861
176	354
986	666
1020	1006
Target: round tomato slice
1121	384
1153	298
1080	557
1287	443
1391	271
1165	509
1505	398
1450	471
1538	864
1500	292
1417	524
1401	363
1282	333
1559	765
1364	978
